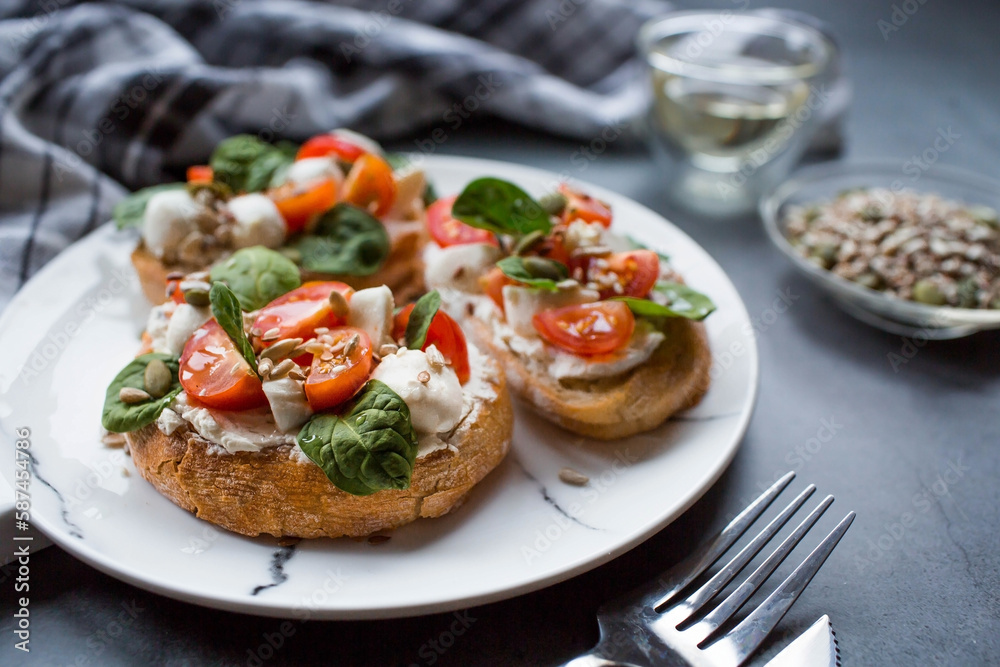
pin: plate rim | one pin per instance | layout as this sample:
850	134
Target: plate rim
262	607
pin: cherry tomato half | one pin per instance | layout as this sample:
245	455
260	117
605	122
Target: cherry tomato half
329	144
200	173
213	372
370	185
447	231
635	272
299	203
581	206
492	285
301	311
334	379
587	329
445	334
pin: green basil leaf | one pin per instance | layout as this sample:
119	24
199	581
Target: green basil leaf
246	164
638	245
369	447
130	211
346	240
500	207
227	312
121	417
534	271
420	320
682	301
257	276
430	194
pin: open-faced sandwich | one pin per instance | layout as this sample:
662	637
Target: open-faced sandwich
334	205
321	412
595	332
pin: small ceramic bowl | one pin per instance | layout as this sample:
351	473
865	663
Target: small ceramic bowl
908	318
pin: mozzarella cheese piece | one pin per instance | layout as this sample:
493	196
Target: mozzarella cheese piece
459	266
410	186
287	399
371	310
359	140
183	323
521	304
312	169
169	217
436	405
258	222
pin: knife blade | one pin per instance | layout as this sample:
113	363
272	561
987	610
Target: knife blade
816	647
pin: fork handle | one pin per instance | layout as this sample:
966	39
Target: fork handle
591	660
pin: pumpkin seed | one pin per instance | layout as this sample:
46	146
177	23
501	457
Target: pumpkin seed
197	297
553	203
338	304
132	395
528	242
924	291
541	268
157	378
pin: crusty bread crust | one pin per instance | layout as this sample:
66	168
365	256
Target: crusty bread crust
272	492
675	378
402	272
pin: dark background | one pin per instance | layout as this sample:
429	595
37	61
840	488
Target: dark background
928	595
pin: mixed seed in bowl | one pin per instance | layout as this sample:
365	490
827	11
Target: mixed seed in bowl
906	244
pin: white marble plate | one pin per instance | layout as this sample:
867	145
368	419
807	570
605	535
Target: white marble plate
78	321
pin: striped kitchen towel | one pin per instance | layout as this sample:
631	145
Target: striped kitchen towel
97	98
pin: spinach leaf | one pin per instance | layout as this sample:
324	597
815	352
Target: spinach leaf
346	240
371	446
682	301
257	276
420	319
227	312
129	211
121	417
246	164
534	271
500	207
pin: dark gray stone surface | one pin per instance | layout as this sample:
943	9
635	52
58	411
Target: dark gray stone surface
926	593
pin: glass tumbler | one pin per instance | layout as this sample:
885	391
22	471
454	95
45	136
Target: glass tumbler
735	101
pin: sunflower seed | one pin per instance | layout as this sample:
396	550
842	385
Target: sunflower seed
175	275
256	332
190	283
271	334
319	331
424	376
352	344
264	367
281	349
326	356
387	349
592	251
570	476
283	368
297	375
157	378
132	395
338	304
336	370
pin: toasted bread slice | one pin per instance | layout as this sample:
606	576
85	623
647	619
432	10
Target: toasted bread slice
402	272
279	493
675	378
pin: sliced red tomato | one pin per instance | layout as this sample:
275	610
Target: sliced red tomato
587	329
301	311
635	272
493	283
298	203
445	334
370	185
447	231
328	144
213	372
581	206
200	173
336	376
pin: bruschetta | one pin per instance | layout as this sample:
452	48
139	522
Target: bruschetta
324	412
595	332
337	205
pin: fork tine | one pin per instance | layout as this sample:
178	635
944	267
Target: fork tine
711	588
744	591
747	637
682	574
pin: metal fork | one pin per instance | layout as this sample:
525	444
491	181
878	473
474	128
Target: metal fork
655	625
